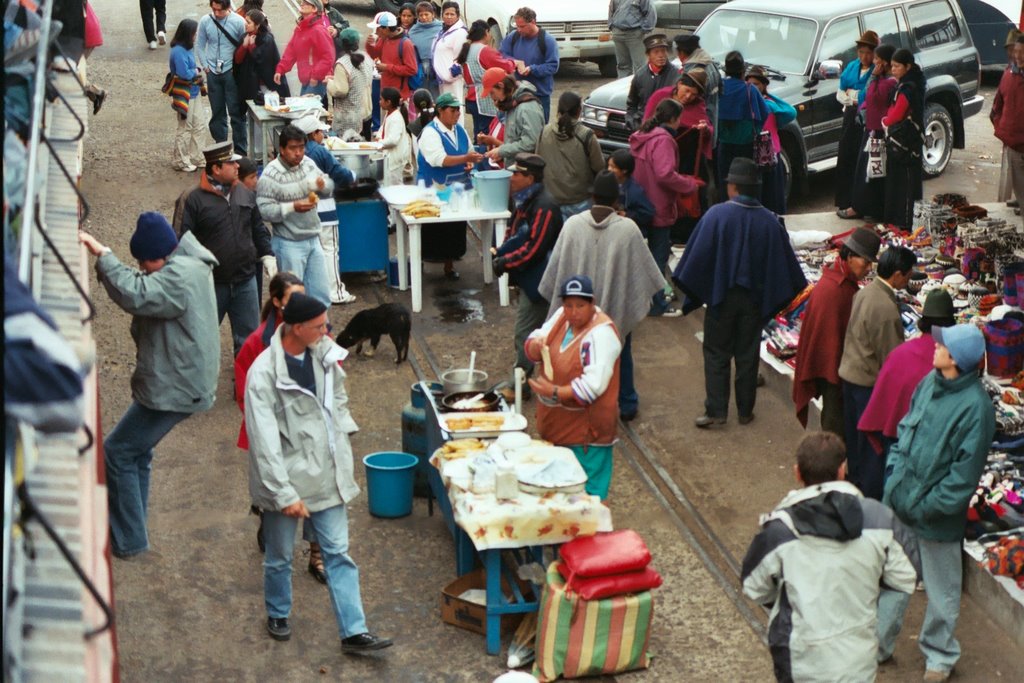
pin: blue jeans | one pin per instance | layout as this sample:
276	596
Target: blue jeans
224	103
659	242
331	526
570	210
241	302
942	575
304	258
128	453
320	90
629	401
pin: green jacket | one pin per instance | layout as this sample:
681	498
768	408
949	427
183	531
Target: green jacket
174	325
523	123
298	442
939	457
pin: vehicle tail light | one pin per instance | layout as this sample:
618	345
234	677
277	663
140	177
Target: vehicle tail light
604	37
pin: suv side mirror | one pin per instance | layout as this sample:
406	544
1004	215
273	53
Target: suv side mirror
829	69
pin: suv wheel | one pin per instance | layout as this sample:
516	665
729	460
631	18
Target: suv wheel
609	68
938	140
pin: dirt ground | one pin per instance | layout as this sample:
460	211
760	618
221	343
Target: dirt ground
192	609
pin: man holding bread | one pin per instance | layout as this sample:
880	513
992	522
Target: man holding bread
287	195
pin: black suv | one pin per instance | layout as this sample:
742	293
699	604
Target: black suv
805	49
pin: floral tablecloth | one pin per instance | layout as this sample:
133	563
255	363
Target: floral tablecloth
529	520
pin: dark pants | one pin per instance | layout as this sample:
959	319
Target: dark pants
868	195
481	122
831	408
240	301
224	103
846	163
903	186
659	241
629	401
773	188
865	468
147	8
726	153
732	333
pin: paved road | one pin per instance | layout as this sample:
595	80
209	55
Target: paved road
193	609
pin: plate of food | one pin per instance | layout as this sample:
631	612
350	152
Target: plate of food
482	425
460	448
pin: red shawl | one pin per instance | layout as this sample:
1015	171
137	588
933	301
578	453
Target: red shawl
822	333
902	371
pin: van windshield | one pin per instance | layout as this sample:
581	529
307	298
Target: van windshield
781	42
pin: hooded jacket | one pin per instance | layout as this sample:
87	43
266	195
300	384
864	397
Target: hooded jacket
657	170
298	442
610	250
447	44
572	162
938	459
311	50
174	325
820	560
523	123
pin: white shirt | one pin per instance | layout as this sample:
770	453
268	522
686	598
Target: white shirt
431	146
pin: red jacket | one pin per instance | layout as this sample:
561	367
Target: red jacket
822	333
256	344
1008	110
311	49
398	71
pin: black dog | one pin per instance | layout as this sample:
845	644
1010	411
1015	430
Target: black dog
373	323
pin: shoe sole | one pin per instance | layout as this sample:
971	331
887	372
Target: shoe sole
369	648
161	40
705	425
280	636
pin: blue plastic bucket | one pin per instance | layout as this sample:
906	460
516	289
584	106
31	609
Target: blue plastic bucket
389	478
492	188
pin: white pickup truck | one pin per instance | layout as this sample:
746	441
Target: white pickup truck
580	27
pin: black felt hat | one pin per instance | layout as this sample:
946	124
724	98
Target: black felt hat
743	171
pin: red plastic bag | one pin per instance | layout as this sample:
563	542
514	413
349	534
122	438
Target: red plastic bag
607	554
600	587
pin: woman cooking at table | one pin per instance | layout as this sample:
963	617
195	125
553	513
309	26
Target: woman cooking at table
445	157
579	405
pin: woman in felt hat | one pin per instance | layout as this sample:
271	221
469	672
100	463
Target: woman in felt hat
904	172
1004	191
578	382
868	197
853	83
351	85
780	113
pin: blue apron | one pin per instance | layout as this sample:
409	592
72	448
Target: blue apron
445	175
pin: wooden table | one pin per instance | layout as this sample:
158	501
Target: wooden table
410	242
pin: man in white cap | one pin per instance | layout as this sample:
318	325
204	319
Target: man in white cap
934	470
393	53
315	130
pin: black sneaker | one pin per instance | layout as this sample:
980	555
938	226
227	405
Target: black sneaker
279	628
364	642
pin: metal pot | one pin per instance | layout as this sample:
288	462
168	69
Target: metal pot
363	166
459	381
486	404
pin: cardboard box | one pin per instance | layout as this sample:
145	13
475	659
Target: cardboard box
469	615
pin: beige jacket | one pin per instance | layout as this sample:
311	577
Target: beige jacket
875	329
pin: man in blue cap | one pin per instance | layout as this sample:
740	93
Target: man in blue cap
934	470
177	338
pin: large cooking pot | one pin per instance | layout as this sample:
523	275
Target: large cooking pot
459	381
485	404
363	166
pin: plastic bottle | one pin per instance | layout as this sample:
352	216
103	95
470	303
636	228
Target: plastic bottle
457	201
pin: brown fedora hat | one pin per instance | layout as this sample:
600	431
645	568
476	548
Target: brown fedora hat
869	39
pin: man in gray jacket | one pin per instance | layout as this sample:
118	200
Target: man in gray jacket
283	196
823	629
300	465
630	21
174	325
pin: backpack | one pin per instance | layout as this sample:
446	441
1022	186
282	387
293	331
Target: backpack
416	80
542	36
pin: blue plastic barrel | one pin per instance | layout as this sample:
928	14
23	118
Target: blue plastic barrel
389	477
492	188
